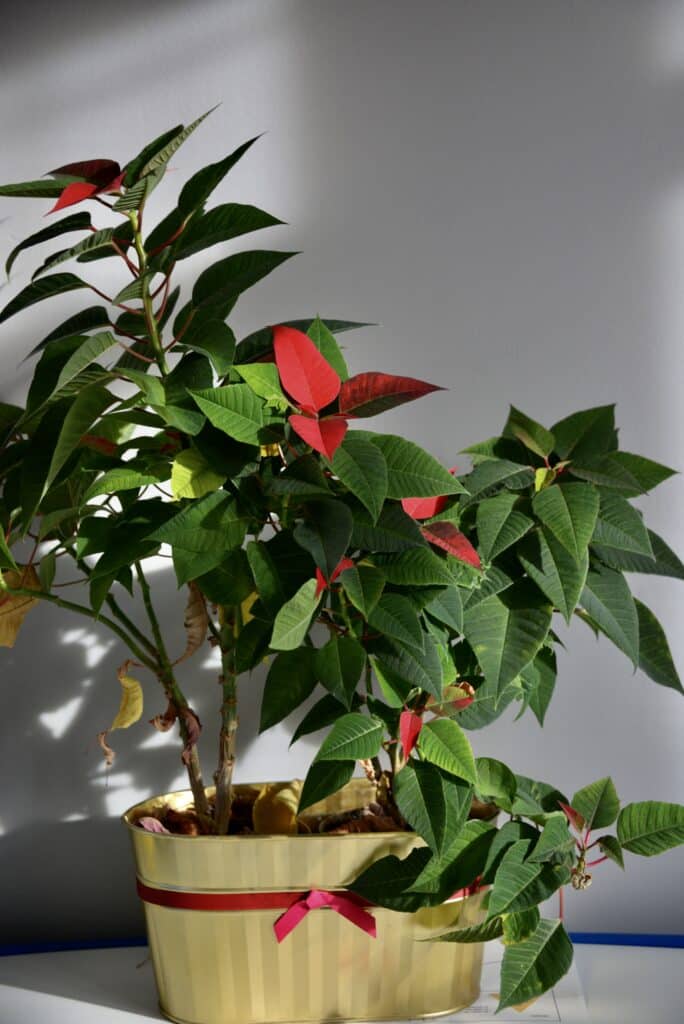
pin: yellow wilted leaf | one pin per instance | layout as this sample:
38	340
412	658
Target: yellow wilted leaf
246	606
195	621
131	707
14	609
192	476
275	809
543	477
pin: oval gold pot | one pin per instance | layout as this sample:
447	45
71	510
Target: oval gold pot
226	966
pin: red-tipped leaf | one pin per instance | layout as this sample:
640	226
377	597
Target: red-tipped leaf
410	725
445	535
304	373
323	584
74	193
424	508
574	817
97	172
324	436
368	394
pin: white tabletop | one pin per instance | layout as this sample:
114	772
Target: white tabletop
622	985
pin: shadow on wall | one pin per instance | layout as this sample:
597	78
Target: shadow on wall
77	859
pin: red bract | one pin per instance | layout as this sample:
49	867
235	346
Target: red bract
304	373
368	394
74	193
445	535
424	508
574	817
100	175
97	172
324	436
323	584
410	725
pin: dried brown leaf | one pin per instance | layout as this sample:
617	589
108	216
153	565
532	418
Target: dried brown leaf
14	609
194	728
196	622
165	721
109	754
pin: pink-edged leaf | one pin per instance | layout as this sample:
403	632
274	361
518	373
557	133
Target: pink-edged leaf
74	193
115	184
97	172
152	825
424	508
321	582
444	534
410	725
368	394
304	373
324	436
574	817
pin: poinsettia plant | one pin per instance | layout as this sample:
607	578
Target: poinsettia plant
415	603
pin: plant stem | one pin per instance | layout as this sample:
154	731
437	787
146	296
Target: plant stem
118	611
223	777
164	672
151	320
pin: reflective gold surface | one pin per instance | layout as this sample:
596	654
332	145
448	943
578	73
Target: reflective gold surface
225	967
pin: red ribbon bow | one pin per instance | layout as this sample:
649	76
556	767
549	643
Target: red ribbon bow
346	904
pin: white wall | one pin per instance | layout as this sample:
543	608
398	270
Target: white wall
501	185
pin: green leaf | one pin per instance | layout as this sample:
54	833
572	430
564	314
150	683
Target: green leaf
266	576
394	530
96	240
569	511
584	434
619	525
411	471
192	476
230	582
490	476
354	736
598	803
539	680
650	827
442	742
558	575
85	410
124	478
506	631
410	667
264	381
395	617
324	712
294	618
324	778
82	357
75	222
532	967
234	409
535	437
220	225
201	533
518	927
338	666
655	658
388	882
495	780
260	343
629	474
86	320
447	607
417	567
555	840
55	284
519	884
499	524
325	533
162	155
326	344
290	680
225	281
419	796
42	189
485	932
362	469
6	556
199	187
363	585
214	339
608	600
664	563
610	847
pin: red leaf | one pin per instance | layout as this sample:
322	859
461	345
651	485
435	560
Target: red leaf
324	436
445	535
304	372
424	508
574	817
321	582
115	184
410	725
100	444
97	172
368	394
74	193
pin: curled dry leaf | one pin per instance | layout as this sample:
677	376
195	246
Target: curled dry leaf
109	754
164	722
14	609
275	809
130	709
195	621
152	825
194	728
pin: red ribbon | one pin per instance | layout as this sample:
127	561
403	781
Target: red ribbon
296	905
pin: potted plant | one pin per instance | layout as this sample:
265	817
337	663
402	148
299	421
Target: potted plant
413	603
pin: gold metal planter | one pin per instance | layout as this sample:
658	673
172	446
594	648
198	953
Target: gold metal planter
226	967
